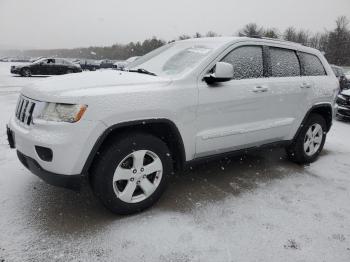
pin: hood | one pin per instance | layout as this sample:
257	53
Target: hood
20	65
67	87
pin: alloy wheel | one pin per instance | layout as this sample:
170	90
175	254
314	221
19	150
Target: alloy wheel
137	176
313	139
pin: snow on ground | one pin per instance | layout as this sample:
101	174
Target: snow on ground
257	207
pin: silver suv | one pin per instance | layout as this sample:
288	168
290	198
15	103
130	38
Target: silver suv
127	131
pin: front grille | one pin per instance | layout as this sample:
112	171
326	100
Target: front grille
24	110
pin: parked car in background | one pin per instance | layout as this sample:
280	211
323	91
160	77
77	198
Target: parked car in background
127	132
46	66
90	65
106	63
343	104
120	65
339	73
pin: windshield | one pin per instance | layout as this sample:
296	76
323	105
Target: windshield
174	59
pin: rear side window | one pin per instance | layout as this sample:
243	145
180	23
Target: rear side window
284	62
247	62
312	65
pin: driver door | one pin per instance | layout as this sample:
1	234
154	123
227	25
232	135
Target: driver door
228	110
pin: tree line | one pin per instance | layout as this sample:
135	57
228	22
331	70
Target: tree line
334	43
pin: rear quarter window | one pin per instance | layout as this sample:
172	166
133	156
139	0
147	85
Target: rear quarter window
312	65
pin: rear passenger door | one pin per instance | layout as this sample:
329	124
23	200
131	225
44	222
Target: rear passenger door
289	88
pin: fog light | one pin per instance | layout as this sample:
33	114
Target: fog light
44	153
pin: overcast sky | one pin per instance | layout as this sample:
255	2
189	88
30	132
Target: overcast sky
78	23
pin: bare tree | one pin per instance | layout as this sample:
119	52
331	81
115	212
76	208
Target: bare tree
271	33
303	37
290	34
251	29
338	51
211	34
197	35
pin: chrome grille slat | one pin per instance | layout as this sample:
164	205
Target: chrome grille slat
24	110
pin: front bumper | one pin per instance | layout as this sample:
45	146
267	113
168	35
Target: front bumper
69	144
342	111
15	70
67	181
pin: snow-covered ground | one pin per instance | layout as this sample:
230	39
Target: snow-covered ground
257	207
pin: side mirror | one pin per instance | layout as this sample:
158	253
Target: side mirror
223	72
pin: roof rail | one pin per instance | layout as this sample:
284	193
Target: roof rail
274	39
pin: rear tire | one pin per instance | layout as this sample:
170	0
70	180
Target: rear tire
309	142
69	71
120	179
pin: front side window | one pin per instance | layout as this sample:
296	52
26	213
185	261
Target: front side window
284	62
312	65
247	62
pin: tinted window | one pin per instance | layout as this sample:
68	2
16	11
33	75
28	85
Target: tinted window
247	62
312	65
284	62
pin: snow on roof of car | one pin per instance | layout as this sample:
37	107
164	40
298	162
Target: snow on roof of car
233	39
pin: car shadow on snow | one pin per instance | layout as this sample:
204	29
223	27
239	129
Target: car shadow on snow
230	176
58	210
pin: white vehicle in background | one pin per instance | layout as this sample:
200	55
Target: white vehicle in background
120	65
126	132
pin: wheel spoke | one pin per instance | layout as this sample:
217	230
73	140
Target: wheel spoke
146	186
155	166
128	192
306	145
316	130
122	174
138	158
309	133
318	139
311	148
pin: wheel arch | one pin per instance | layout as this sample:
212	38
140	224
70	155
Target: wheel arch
323	109
164	129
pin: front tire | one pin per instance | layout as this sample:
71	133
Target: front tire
25	72
131	174
310	141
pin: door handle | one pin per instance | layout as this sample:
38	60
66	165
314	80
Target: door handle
305	85
260	89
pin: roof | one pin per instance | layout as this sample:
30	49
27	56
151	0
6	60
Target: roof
234	39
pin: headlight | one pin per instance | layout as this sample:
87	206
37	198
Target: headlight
62	112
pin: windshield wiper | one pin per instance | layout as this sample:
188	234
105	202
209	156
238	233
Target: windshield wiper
142	71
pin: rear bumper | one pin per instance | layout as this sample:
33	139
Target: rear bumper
67	181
